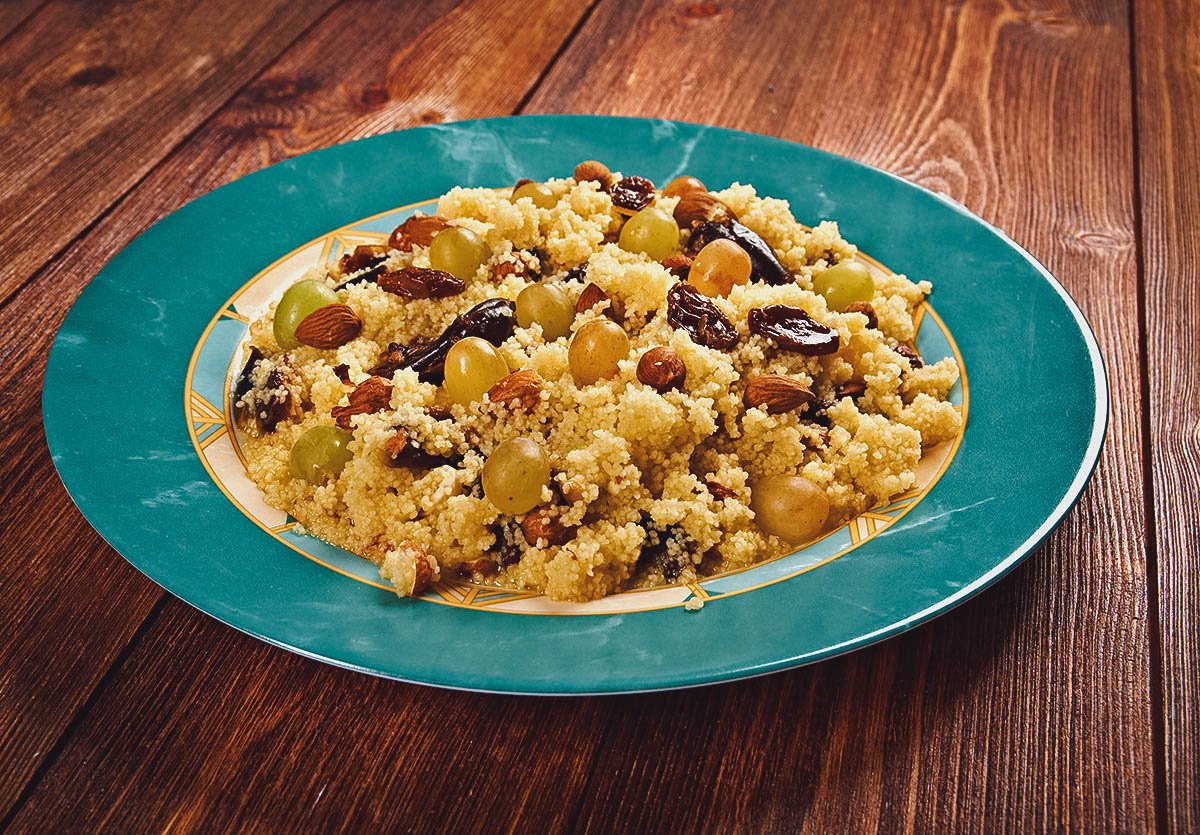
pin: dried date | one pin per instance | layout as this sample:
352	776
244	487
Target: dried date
764	265
690	310
493	320
421	283
368	257
792	329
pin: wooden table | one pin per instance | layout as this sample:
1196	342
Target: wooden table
1065	698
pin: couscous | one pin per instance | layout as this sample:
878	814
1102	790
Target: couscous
589	385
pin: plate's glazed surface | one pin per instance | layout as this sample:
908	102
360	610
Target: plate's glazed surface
136	420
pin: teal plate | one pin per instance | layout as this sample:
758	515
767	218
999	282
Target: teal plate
136	417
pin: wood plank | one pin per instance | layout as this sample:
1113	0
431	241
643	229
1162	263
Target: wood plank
242	736
94	95
1029	709
1168	99
14	12
56	645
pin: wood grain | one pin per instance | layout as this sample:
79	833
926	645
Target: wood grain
71	604
14	12
1023	115
93	96
1168	100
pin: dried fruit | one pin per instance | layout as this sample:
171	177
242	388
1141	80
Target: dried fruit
373	394
718	490
342	372
592	295
632	194
329	327
522	264
418	230
852	389
691	311
776	394
866	310
262	409
493	320
483	566
910	354
421	283
521	389
369	257
401	450
545	523
793	330
766	266
678	265
696	207
595	171
661	369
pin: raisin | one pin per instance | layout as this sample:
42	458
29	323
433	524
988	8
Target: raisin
690	310
910	354
262	410
421	283
633	194
793	330
369	257
764	265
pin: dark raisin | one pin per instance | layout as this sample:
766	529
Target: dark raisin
666	549
633	193
853	389
509	537
369	257
402	450
910	354
690	310
421	283
764	265
866	310
343	373
263	409
578	273
792	329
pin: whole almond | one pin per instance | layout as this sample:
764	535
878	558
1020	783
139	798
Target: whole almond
678	265
544	523
699	206
483	565
521	389
418	230
329	327
595	171
775	393
372	395
661	369
592	295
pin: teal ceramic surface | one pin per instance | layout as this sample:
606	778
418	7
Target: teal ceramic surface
134	408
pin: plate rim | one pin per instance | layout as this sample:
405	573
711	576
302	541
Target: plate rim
1086	468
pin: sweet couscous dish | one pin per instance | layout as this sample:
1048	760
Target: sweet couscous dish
589	385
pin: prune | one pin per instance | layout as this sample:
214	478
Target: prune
421	283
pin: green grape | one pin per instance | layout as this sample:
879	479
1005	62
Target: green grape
473	366
790	507
514	475
682	185
458	251
540	193
301	299
320	454
595	350
549	307
651	231
844	284
718	267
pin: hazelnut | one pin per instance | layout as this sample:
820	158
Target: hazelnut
661	369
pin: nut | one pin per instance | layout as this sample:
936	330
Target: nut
775	393
700	206
592	295
329	327
483	565
661	369
423	565
372	395
572	491
418	230
866	310
522	264
719	490
678	265
521	389
544	523
595	171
